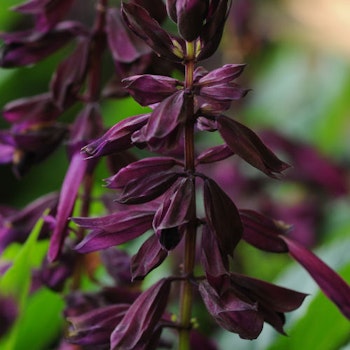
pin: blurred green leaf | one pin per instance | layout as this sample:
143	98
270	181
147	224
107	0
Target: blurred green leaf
41	323
16	280
323	327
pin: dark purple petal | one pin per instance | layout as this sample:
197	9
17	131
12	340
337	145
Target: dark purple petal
16	225
219	76
30	111
248	146
54	275
263	232
222	216
27	48
212	31
333	286
309	165
177	205
148	89
140	321
214	154
190	16
95	327
149	30
88	125
117	138
48	12
141	190
69	191
223	92
214	263
149	256
166	117
8	314
124	45
232	313
170	237
113	229
118	220
273	297
35	145
117	263
139	170
175	211
69	76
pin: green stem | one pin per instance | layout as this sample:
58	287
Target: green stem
186	296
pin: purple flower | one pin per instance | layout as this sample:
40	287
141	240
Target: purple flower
47	12
140	321
16	225
222	216
28	47
113	229
95	327
270	236
8	314
87	126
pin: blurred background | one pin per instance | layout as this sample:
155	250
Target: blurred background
298	67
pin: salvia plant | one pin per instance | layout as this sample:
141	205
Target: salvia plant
167	196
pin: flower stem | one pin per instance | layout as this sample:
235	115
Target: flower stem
190	238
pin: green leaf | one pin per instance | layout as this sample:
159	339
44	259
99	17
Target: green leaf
16	280
323	327
41	323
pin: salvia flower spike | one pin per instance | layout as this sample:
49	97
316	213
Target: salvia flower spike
168	200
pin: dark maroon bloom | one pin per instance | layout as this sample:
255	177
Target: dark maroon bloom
27	112
70	74
31	146
309	166
175	211
139	323
95	327
248	146
24	48
213	28
125	46
47	12
86	127
138	191
263	232
217	87
117	138
148	89
232	313
54	275
189	16
117	263
222	216
333	286
69	191
8	314
214	154
139	170
167	116
113	229
149	256
149	30
269	301
270	237
16	225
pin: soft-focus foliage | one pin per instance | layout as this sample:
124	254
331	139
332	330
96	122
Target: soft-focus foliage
91	92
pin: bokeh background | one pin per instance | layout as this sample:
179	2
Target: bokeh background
298	67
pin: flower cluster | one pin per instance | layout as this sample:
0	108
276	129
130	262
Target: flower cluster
165	193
